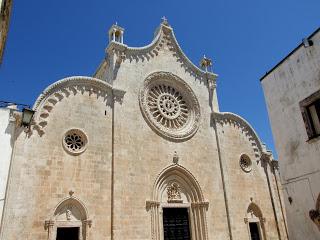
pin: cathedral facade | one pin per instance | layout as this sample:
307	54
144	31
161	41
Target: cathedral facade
140	151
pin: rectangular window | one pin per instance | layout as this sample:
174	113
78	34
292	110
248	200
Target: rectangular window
310	108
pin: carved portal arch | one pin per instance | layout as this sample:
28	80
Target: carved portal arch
69	213
254	215
176	187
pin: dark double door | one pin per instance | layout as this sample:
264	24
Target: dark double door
68	233
176	224
254	231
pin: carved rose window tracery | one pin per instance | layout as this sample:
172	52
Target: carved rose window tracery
169	106
245	163
75	141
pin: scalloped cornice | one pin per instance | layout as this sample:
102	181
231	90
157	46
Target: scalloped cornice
227	117
63	88
164	36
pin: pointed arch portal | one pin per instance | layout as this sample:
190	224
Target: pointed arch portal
69	221
255	222
178	208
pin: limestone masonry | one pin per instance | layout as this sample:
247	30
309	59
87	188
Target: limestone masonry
140	151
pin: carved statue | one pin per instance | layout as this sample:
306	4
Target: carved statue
174	193
68	214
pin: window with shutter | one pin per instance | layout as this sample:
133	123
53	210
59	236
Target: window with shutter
310	109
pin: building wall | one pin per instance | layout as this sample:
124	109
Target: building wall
295	79
7	129
5	10
120	182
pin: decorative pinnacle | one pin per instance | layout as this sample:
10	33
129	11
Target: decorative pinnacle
71	192
206	63
165	21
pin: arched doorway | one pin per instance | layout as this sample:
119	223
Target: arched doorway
69	221
178	209
255	222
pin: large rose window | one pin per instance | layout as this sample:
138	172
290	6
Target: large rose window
169	106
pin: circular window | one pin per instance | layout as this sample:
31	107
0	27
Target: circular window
245	163
169	106
75	141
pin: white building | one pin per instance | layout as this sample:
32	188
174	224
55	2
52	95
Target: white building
7	132
292	92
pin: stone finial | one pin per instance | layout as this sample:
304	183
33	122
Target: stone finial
71	193
206	64
164	21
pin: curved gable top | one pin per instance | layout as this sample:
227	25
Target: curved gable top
224	117
164	35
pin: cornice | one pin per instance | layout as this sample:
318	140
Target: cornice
63	88
228	117
165	36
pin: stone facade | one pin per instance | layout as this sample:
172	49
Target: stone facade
112	153
290	90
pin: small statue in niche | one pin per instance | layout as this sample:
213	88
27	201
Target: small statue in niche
174	193
68	214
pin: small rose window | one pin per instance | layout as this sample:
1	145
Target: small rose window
75	141
245	163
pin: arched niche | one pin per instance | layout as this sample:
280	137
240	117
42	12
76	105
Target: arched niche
254	217
176	187
69	213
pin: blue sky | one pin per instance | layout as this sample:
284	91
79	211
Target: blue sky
49	40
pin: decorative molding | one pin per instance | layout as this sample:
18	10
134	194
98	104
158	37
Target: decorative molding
178	168
67	87
75	214
151	203
164	37
231	118
245	163
177	122
171	179
75	141
174	193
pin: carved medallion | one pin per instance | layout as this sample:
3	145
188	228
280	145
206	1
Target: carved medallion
75	141
174	193
170	106
245	163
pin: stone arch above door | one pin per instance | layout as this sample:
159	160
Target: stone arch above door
254	215
70	212
176	187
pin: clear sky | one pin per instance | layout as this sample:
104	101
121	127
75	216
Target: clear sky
49	40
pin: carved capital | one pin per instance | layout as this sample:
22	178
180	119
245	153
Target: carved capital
118	94
200	204
48	224
88	222
150	204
